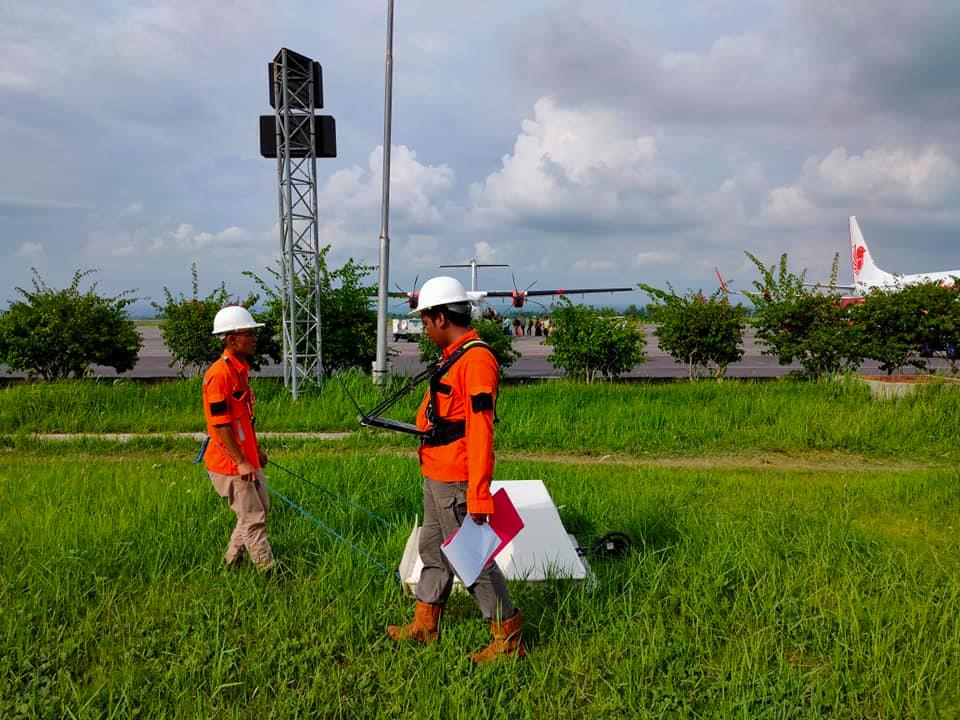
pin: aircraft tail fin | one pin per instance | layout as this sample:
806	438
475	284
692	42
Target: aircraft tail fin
866	274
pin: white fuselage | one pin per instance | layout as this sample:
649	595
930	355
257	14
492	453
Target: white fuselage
866	274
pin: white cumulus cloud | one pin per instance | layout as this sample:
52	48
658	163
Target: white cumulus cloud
895	175
484	252
877	178
29	250
349	201
578	169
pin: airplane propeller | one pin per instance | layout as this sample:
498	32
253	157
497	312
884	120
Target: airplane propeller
412	296
519	297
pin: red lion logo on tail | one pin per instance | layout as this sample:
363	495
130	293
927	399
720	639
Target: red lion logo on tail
858	252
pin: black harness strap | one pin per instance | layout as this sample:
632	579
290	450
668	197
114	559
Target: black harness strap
443	431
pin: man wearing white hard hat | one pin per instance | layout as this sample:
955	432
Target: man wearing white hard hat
233	457
456	461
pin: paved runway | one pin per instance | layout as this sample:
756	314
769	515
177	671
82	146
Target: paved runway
154	360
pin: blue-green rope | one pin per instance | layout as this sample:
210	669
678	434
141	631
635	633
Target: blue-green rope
338	498
327	529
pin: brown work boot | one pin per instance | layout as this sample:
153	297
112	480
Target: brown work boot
506	641
425	627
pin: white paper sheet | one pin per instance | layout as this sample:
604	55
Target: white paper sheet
469	549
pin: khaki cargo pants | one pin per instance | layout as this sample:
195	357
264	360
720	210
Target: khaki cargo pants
250	502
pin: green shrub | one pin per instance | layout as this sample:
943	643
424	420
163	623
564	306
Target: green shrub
588	344
898	327
347	322
490	331
59	333
187	330
698	331
797	324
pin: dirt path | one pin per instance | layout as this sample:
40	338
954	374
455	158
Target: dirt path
816	461
198	436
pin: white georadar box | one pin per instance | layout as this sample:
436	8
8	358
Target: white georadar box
542	550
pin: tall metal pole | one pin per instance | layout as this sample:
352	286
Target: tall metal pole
318	331
380	365
290	233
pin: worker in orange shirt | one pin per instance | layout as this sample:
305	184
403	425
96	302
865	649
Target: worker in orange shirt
233	458
456	461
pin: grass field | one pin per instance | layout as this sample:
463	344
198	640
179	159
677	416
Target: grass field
556	416
785	565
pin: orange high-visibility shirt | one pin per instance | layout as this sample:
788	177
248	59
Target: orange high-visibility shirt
228	400
473	382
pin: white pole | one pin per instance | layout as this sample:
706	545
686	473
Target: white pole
380	364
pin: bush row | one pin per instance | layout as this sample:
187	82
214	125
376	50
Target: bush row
61	333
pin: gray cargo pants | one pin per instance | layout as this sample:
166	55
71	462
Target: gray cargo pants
444	509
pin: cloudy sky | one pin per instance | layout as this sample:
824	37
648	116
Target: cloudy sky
598	143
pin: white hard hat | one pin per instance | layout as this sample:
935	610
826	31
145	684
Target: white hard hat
232	319
438	291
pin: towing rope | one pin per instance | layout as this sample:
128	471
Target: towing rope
328	529
337	536
335	496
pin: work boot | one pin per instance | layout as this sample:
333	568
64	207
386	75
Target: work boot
425	627
506	641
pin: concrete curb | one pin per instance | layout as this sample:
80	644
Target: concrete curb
896	386
127	437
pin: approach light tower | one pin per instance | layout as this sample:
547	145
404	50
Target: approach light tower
297	136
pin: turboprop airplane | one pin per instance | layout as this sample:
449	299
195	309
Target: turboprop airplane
517	296
866	275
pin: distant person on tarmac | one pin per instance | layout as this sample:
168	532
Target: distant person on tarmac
456	462
233	457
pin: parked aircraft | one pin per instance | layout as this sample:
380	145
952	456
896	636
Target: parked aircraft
866	275
517	296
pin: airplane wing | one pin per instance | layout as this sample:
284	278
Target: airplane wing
826	286
543	293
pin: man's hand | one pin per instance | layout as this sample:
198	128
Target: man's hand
479	518
262	456
246	471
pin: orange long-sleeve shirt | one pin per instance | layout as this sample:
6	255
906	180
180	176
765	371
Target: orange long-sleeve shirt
228	400
473	382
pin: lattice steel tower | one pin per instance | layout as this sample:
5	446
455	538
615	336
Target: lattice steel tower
300	136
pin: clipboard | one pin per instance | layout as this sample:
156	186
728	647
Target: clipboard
472	547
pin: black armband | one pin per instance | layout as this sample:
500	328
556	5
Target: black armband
218	408
482	402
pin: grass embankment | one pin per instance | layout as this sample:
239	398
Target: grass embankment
823	584
558	417
750	594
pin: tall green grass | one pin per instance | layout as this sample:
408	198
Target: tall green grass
762	594
560	416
